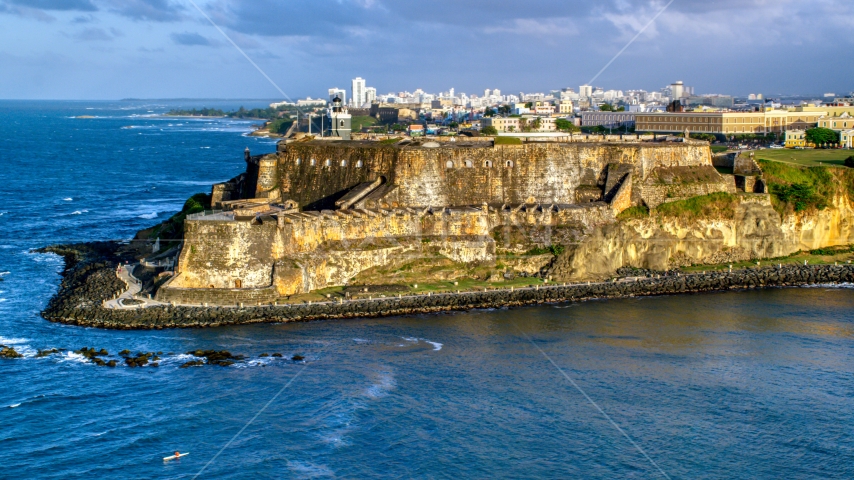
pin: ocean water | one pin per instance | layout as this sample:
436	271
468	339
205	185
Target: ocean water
753	384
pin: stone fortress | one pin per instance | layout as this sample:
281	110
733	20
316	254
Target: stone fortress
317	213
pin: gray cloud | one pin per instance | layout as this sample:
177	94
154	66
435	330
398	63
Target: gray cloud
148	10
190	38
78	5
93	35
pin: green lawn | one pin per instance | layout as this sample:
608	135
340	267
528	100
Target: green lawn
360	121
807	158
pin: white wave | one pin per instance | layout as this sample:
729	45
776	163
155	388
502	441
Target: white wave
181	358
381	388
73	358
149	216
258	362
3	213
310	470
2	300
79	212
13	341
204	147
15	405
436	345
67	199
361	340
830	285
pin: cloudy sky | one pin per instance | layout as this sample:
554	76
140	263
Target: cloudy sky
109	49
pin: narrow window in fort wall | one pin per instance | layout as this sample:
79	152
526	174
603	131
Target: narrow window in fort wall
327	163
298	161
509	164
469	164
359	164
343	163
449	164
312	162
487	164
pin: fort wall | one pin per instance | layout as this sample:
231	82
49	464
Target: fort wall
315	174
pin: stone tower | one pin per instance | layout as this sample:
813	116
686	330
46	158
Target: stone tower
339	120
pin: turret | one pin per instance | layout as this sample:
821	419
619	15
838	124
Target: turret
246	155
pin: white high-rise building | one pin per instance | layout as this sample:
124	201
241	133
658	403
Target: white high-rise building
585	91
677	90
370	94
486	93
357	94
338	92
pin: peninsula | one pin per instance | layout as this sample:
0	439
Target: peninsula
346	228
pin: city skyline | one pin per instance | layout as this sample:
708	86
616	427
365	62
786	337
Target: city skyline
105	49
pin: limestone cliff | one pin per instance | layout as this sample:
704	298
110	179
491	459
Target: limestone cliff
754	230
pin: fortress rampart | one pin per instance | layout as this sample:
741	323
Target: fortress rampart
317	213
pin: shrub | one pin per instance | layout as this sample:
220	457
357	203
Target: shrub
508	141
640	211
553	249
713	205
800	195
489	130
849	162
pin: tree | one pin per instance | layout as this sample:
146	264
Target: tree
505	109
488	112
849	162
489	130
529	105
606	107
565	125
820	135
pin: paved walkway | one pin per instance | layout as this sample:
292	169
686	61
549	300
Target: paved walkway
134	287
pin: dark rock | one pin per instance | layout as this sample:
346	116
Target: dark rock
8	352
124	352
297	358
192	363
44	353
263	355
277	355
112	364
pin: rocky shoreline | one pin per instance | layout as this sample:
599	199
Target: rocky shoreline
90	279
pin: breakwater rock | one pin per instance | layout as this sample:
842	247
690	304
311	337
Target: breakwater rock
79	299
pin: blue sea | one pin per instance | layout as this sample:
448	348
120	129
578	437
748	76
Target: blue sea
755	384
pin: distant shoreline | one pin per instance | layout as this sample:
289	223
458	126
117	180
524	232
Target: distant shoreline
89	279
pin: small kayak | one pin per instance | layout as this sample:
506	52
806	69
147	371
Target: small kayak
173	457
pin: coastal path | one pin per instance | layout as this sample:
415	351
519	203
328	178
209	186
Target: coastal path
129	298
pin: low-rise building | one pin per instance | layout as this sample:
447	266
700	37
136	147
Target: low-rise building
537	123
502	124
770	121
842	122
564	107
608	119
846	138
796	138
